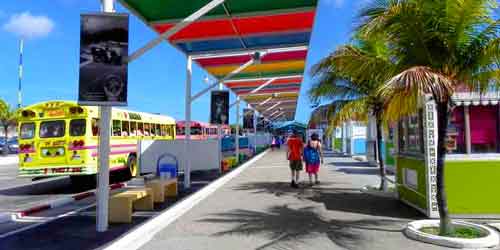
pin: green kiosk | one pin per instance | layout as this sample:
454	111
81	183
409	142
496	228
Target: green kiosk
472	165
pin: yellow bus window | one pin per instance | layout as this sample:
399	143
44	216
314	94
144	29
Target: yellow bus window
95	127
163	130
52	129
146	129
27	130
140	129
133	128
158	130
117	128
125	128
77	127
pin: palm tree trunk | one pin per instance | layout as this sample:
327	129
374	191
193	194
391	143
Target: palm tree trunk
445	221
383	182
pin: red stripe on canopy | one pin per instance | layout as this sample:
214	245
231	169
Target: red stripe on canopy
260	82
277	90
241	59
219	28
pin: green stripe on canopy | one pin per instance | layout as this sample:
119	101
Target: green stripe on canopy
154	10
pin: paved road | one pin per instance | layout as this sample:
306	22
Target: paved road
259	210
8	175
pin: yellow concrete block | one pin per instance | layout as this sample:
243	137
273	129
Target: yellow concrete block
158	191
122	204
120	209
171	189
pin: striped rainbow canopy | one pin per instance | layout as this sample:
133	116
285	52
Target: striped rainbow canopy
229	35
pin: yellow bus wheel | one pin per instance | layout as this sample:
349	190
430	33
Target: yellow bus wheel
132	166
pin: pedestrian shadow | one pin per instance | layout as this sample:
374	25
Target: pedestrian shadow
350	200
285	226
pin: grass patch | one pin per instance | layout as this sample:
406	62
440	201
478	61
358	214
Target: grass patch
458	232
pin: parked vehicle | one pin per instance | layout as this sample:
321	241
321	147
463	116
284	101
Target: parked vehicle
13	145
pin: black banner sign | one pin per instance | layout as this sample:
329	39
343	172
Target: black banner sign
103	59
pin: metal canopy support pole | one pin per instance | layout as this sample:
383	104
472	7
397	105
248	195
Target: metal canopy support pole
104	138
187	131
262	85
219	133
185	22
237	142
265	101
255	131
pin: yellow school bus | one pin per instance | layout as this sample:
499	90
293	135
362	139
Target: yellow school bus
60	138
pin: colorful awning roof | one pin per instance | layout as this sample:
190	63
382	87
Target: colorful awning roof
228	36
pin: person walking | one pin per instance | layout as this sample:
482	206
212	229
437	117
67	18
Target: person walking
313	157
294	156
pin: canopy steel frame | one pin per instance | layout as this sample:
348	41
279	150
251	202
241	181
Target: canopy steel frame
262	86
179	26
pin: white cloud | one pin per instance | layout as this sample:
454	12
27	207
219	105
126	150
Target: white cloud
335	3
29	26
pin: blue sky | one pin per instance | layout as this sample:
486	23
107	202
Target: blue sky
156	80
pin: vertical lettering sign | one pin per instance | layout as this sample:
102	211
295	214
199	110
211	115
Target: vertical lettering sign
103	59
219	111
430	136
248	118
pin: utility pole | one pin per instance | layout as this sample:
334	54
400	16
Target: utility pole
19	87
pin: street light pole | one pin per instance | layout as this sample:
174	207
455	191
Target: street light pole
19	87
104	144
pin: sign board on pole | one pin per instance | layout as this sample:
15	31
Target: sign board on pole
219	107
430	140
103	64
248	118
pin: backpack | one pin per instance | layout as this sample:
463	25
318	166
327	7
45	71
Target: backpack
311	155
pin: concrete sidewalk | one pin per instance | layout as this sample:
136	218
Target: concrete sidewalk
259	210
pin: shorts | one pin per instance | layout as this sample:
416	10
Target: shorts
312	168
296	165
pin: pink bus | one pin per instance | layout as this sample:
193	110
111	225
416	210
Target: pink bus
200	130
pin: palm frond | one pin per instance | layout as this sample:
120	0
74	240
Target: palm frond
355	110
403	91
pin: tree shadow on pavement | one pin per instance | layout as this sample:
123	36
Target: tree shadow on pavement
362	171
350	200
276	188
283	225
351	164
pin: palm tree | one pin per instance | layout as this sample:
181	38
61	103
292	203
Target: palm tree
349	78
437	45
8	117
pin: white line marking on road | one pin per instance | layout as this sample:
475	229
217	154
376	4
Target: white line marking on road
144	233
45	222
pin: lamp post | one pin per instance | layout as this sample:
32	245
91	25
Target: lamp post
19	87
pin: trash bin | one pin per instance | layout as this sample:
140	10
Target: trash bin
167	166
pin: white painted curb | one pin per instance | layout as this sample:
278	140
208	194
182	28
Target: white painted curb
61	202
491	240
5	217
144	233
